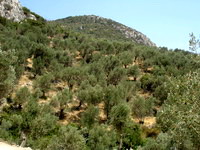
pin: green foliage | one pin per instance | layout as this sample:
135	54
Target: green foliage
68	138
109	63
116	75
97	27
162	142
131	136
72	75
93	71
43	125
126	58
180	116
91	95
22	96
120	114
11	127
101	138
8	73
147	82
133	71
43	82
111	98
61	100
90	117
141	107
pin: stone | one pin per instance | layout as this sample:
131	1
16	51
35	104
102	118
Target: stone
13	10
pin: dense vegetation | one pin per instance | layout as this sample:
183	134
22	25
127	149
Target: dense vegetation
109	83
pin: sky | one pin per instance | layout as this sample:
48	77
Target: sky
166	22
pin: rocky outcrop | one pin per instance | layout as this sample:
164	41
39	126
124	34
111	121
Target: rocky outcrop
134	35
128	32
12	10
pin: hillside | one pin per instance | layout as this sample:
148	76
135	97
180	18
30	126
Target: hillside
100	27
67	90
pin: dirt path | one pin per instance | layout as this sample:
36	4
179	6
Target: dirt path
4	146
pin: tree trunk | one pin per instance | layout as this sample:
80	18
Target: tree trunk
19	106
61	114
121	142
70	86
23	140
79	106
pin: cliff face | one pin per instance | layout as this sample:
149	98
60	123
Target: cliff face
12	10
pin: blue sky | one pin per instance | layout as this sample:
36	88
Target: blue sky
166	22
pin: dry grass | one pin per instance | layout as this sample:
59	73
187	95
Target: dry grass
148	121
102	115
144	94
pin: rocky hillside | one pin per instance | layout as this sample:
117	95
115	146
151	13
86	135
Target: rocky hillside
105	28
12	10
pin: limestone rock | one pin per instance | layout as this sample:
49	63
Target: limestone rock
12	10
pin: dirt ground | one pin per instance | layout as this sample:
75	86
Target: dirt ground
5	146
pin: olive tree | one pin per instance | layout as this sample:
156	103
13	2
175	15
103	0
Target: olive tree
8	73
101	138
61	100
68	138
44	83
179	116
22	96
120	115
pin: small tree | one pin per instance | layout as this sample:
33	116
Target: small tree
68	138
116	76
90	117
110	63
21	97
126	58
194	43
43	125
141	107
72	75
44	83
133	71
100	138
132	136
111	97
90	95
120	114
61	100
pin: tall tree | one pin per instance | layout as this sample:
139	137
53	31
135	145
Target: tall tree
120	114
8	73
